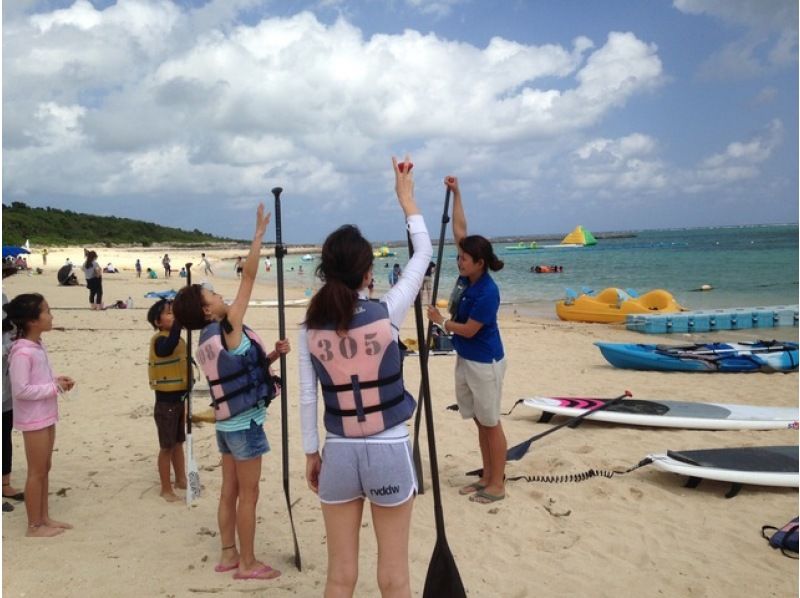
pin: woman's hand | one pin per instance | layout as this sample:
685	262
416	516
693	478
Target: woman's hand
262	221
313	467
282	346
434	315
451	183
404	186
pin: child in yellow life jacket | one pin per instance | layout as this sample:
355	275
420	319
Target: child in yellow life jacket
167	370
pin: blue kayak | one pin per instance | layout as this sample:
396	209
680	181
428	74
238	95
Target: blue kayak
756	356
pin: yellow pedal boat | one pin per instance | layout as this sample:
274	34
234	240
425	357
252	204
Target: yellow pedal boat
612	306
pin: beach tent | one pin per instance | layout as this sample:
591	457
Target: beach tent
8	250
579	236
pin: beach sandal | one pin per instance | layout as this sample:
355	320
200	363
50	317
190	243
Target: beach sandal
220	568
484	498
20	496
471	488
7	507
265	572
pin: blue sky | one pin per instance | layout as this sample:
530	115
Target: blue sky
617	115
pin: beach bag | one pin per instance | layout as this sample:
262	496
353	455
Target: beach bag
785	538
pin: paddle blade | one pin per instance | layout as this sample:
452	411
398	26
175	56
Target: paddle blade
443	579
192	474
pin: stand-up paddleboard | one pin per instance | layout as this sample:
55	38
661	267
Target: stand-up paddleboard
673	414
757	465
769	356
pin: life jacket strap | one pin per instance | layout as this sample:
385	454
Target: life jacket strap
353	412
362	385
229	377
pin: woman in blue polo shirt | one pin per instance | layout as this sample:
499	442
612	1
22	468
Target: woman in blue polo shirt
480	365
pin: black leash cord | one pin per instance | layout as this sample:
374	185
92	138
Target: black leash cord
578	477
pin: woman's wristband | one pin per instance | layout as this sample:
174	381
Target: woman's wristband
444	324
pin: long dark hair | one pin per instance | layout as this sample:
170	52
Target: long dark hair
22	310
479	248
187	307
346	258
91	256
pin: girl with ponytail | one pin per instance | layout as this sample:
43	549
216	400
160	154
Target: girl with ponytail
481	364
348	345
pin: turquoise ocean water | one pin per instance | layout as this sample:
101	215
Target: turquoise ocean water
747	266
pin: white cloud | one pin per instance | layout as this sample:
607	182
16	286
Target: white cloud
769	24
619	165
739	161
170	98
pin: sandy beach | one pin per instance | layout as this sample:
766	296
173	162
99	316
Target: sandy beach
641	534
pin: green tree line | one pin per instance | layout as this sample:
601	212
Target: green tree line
51	226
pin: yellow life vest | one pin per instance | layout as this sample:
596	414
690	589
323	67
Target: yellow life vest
167	374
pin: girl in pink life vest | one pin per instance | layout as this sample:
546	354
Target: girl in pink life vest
240	435
34	390
348	346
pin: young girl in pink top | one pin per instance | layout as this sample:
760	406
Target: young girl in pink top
34	390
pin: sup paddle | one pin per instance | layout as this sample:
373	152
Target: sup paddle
443	579
515	453
434	294
280	251
192	473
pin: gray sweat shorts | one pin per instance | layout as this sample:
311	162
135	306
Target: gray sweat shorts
380	470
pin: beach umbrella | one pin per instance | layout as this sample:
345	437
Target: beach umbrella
280	251
10	251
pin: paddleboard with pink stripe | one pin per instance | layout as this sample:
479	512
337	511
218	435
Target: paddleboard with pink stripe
673	414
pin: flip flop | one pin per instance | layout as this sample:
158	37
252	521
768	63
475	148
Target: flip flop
471	488
265	572
484	498
7	507
220	568
20	496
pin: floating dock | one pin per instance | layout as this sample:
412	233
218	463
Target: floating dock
711	320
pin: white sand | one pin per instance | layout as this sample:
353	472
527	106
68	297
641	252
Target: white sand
643	534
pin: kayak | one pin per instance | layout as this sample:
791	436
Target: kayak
756	356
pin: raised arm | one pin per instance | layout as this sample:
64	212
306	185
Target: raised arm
459	219
239	305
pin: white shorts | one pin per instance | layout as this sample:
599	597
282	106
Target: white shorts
479	390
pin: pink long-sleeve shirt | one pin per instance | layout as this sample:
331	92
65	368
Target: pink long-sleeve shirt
33	386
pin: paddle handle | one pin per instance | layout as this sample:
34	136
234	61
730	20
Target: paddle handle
189	373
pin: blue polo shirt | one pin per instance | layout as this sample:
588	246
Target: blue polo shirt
479	302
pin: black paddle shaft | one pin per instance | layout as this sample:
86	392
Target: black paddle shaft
189	372
434	294
443	578
280	251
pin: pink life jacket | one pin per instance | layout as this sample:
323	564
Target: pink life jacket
361	374
237	382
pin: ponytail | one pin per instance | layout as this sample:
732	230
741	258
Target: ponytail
346	258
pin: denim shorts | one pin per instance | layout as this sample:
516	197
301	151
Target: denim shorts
243	444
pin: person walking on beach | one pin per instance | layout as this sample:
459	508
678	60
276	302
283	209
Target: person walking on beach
94	280
138	267
344	340
44	256
239	267
235	361
267	264
167	265
167	372
427	282
206	265
34	391
480	361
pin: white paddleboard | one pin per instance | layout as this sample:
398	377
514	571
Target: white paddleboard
763	466
673	414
